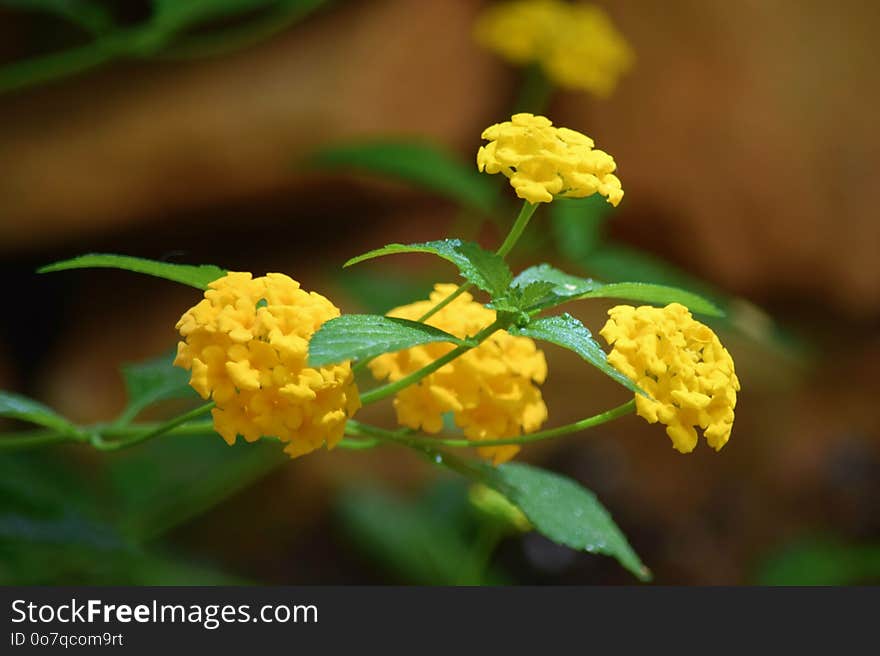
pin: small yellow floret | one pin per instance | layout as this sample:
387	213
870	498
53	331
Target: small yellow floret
682	365
543	161
576	44
490	390
246	344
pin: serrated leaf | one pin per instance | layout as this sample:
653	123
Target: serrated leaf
15	406
198	276
566	331
564	285
569	288
364	336
152	381
421	164
483	268
535	293
564	511
523	298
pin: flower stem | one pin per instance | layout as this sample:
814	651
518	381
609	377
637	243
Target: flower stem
392	388
535	92
22	441
462	288
101	444
516	230
519	226
424	446
567	429
357	444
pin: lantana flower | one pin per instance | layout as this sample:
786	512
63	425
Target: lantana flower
682	365
575	43
491	390
246	344
543	161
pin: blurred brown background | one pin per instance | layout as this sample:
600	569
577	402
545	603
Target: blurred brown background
746	141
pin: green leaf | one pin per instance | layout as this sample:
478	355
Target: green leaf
421	164
577	224
618	263
198	276
152	381
520	299
363	336
483	268
567	287
22	408
566	331
564	286
656	295
565	512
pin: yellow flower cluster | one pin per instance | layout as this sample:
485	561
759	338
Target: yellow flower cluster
247	344
576	44
490	390
682	365
543	161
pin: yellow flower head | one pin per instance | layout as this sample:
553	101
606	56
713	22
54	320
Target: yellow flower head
681	364
576	44
247	345
490	390
543	161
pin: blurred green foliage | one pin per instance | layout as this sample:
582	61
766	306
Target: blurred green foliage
427	165
171	29
67	522
437	538
821	561
66	518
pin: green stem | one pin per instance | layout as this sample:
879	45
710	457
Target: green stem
101	444
16	442
236	38
43	69
519	226
516	231
424	446
567	429
462	288
535	92
392	388
192	428
357	444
